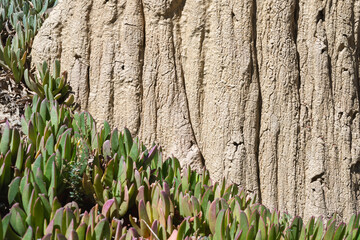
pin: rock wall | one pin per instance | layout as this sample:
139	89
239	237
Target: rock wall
264	93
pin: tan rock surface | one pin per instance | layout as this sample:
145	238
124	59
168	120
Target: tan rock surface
264	93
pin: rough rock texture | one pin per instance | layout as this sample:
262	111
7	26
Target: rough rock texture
265	93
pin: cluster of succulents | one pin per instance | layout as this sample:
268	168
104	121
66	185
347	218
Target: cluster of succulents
65	179
19	22
50	86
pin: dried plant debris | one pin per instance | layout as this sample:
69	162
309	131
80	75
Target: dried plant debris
13	98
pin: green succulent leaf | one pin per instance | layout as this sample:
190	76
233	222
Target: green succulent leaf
220	225
5	139
17	219
102	230
14	189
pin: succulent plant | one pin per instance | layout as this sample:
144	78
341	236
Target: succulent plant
127	191
19	22
51	87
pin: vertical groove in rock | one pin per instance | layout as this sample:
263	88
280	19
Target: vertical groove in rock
200	97
78	57
129	67
230	93
255	74
165	100
102	57
354	171
142	62
299	166
316	85
192	58
346	101
84	96
280	109
178	60
355	167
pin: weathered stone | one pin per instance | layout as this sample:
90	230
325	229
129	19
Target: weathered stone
264	93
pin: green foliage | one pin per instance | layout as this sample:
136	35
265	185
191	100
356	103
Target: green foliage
64	162
19	22
50	86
